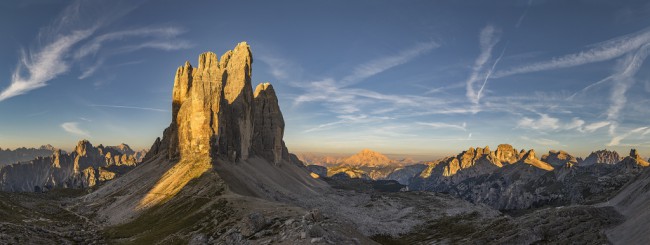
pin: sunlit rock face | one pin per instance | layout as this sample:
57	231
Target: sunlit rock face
506	154
368	158
216	114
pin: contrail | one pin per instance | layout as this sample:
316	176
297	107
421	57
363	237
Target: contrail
131	107
478	95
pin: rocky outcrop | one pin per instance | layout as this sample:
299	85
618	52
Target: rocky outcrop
530	159
125	149
318	170
506	154
347	172
268	125
86	166
601	157
216	115
633	162
559	159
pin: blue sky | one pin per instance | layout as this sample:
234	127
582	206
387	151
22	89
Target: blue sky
407	77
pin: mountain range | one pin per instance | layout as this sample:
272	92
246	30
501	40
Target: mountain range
8	156
505	179
84	167
222	174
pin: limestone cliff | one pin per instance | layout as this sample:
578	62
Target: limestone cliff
216	115
268	125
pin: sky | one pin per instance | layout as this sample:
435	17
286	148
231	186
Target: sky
414	77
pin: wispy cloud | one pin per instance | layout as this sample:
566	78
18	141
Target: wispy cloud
616	140
73	128
603	51
91	69
549	123
93	46
131	107
61	44
36	69
544	122
541	141
488	74
377	66
342	99
523	15
488	38
440	125
157	44
595	126
346	120
623	80
280	69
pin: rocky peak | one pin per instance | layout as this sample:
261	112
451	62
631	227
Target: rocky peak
559	158
602	157
505	153
214	111
530	154
635	159
122	148
530	159
209	101
83	147
268	124
47	147
634	154
368	158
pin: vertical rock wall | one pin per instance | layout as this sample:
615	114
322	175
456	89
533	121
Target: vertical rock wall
215	114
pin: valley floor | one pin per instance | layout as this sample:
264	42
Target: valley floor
49	218
45	218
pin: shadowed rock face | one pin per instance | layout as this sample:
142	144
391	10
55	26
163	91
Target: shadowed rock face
268	125
602	157
86	166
